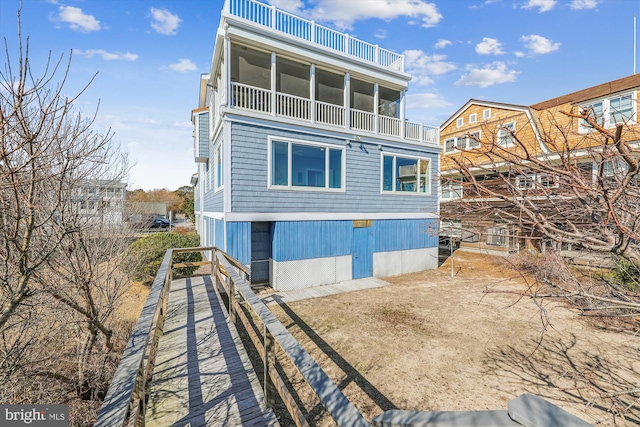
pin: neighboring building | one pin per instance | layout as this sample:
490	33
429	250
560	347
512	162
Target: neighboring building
102	201
308	169
479	123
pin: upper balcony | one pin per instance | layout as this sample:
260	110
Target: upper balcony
303	29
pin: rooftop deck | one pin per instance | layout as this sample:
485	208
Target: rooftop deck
303	29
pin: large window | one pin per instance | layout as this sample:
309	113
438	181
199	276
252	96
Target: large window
610	111
306	165
405	174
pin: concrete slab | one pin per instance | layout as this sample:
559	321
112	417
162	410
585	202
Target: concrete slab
279	297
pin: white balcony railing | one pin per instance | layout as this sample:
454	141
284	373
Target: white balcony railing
389	125
256	99
250	98
330	114
363	120
293	106
285	22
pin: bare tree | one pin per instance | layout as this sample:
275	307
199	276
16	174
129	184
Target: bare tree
580	187
583	190
59	277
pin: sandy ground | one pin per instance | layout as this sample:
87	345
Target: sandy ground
430	342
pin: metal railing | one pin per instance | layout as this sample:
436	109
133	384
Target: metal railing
126	399
304	29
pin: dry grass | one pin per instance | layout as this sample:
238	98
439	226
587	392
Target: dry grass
429	342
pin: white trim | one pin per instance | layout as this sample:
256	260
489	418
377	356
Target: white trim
473	118
428	182
214	215
321	216
290	141
279	123
226	152
506	134
606	111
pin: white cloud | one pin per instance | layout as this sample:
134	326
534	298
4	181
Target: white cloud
164	21
417	101
488	75
442	43
183	65
583	4
539	45
342	14
107	56
542	5
421	66
380	34
76	19
489	46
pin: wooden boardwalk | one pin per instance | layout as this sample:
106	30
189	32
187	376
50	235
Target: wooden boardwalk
202	375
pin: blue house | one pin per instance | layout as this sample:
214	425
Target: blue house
309	171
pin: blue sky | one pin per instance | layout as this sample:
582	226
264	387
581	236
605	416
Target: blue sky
149	55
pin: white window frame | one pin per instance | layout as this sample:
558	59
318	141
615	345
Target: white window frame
471	142
536	181
453	190
605	119
453	145
290	142
473	118
503	134
460	122
486	114
393	190
528	179
218	159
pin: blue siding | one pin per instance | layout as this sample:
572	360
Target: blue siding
401	234
249	192
362	261
296	240
239	241
203	134
213	202
219	233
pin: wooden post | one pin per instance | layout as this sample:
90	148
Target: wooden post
269	354
232	297
214	271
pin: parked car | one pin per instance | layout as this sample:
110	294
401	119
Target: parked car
160	223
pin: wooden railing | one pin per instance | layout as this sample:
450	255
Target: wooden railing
271	333
304	29
125	401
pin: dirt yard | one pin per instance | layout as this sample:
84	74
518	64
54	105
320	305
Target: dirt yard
429	342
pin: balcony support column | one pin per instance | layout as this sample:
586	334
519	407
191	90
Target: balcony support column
274	77
312	91
403	121
376	108
347	101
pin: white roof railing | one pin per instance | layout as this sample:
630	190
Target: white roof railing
290	24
